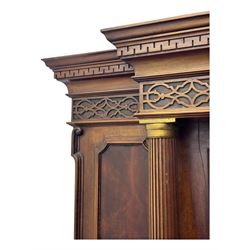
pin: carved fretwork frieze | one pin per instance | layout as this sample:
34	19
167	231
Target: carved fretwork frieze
105	107
167	45
177	95
93	70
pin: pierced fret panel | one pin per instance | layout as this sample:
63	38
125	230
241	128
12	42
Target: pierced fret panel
105	107
175	94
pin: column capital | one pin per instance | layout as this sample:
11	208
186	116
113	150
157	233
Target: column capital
160	127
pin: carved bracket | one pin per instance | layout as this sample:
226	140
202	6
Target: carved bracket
75	146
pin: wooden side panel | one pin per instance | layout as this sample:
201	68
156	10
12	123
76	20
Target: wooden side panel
116	147
123	193
193	179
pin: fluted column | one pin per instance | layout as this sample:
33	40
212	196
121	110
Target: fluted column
162	161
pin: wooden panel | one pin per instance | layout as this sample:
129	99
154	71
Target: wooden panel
101	84
176	63
92	143
123	193
192	181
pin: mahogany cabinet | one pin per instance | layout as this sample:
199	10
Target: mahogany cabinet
140	140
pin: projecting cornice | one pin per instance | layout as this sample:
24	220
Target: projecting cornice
160	69
89	65
162	36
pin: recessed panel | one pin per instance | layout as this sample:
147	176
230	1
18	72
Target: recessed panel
123	193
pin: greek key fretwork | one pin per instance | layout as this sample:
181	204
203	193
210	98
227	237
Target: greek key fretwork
176	44
109	107
187	93
93	70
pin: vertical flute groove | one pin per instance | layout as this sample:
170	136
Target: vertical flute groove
150	191
162	188
153	169
157	190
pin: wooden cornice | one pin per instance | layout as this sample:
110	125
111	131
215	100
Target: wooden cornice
168	35
142	78
100	86
89	65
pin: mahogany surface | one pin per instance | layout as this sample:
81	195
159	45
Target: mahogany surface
123	193
129	185
193	179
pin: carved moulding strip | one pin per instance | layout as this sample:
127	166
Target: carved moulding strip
166	46
181	96
105	107
93	70
89	65
79	177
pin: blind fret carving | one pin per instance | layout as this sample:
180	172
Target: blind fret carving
176	44
116	106
93	70
185	93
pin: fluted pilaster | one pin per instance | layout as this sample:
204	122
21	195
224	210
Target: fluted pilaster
162	161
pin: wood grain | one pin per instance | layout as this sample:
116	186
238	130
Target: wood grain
112	177
123	193
162	197
79	177
193	179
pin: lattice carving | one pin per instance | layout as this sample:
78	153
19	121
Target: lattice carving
166	45
93	70
185	93
107	107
